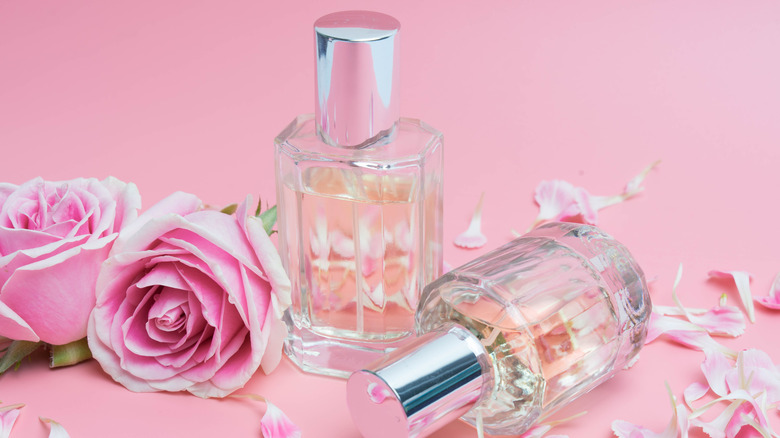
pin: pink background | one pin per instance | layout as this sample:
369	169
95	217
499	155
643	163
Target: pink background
182	95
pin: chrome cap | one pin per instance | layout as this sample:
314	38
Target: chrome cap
357	77
419	388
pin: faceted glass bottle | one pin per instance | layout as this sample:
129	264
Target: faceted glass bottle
511	336
359	201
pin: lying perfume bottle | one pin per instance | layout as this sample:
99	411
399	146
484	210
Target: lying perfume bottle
510	337
359	198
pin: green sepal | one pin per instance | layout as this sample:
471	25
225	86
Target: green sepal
69	354
269	220
230	209
17	351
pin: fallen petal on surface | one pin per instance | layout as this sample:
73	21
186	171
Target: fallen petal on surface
56	430
742	280
8	416
275	424
772	300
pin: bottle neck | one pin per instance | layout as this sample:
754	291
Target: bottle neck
421	387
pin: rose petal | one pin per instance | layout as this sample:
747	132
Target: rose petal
721	320
683	332
63	290
8	416
556	200
275	424
679	423
473	237
560	200
758	374
56	429
277	333
128	201
742	280
718	426
715	367
267	256
178	203
772	301
695	391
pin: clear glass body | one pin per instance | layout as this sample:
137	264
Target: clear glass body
558	312
360	235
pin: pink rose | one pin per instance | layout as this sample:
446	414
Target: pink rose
53	238
190	300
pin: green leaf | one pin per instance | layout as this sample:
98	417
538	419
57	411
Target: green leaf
17	351
69	354
269	219
230	209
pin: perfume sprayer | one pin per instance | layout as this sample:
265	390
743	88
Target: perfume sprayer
510	337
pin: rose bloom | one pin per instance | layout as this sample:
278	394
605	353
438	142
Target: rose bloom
191	300
53	238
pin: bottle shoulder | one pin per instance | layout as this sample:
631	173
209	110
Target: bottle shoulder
414	141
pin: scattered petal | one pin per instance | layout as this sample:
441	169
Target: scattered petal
275	424
715	367
56	430
742	280
772	301
695	391
8	416
635	185
721	320
678	423
559	200
473	237
685	333
556	200
751	386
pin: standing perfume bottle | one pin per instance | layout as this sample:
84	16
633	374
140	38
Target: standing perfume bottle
510	337
359	193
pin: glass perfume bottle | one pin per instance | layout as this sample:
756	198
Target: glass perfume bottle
510	337
359	202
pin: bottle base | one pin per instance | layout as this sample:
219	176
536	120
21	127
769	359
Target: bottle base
336	357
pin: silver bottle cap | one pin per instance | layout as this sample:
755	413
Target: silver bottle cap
419	388
357	77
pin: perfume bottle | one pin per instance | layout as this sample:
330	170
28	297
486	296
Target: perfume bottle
510	337
359	195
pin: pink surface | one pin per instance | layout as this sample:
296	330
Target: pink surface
188	96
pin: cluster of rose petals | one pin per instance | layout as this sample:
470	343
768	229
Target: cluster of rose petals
190	299
694	328
747	380
53	238
751	385
560	200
